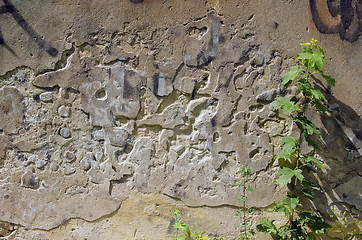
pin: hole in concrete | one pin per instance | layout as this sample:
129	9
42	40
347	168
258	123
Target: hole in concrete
253	153
216	137
101	94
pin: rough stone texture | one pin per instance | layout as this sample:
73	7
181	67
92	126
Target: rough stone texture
106	105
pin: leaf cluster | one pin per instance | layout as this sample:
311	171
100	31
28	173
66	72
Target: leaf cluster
294	164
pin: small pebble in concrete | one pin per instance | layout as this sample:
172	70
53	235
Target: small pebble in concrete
29	180
65	132
54	166
69	156
46	96
68	170
64	111
40	163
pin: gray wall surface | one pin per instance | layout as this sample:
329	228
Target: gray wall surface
113	113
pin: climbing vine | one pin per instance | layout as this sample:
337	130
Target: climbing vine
293	162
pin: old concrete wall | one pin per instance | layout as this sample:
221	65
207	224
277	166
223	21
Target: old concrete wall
113	113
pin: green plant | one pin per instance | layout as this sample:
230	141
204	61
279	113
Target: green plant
347	228
185	233
293	163
246	232
179	225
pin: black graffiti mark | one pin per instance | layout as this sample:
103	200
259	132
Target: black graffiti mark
10	8
136	1
155	83
346	16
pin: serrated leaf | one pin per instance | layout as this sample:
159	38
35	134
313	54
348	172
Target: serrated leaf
317	60
289	146
305	56
286	175
321	106
284	155
280	207
318	95
308	127
291	75
299	174
329	79
286	104
315	161
292	202
266	226
288	142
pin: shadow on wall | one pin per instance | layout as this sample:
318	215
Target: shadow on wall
11	9
341	199
338	16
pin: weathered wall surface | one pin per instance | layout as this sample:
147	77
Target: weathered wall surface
113	113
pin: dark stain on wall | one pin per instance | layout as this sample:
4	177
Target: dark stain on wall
338	16
155	83
128	91
10	8
136	1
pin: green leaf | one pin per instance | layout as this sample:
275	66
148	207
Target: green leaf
312	185
292	202
305	44
316	223
244	170
241	198
291	75
308	194
266	226
182	237
286	104
319	48
318	94
283	235
317	60
182	226
323	108
299	174
307	126
329	79
305	56
306	87
289	146
286	175
288	140
280	207
315	161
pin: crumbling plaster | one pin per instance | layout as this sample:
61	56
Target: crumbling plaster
106	101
